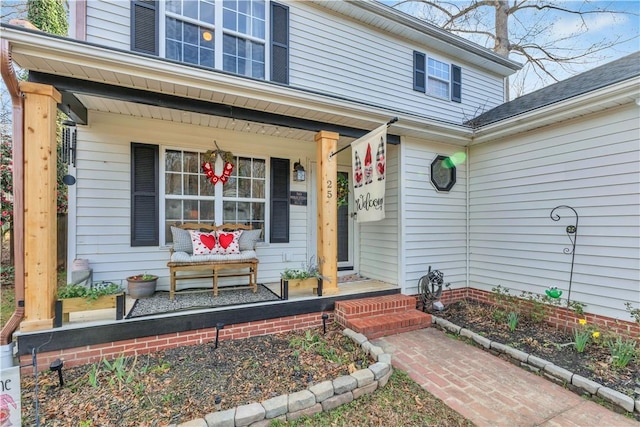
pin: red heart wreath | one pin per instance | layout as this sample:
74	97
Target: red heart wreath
207	168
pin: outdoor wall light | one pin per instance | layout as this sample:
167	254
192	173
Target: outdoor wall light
218	327
57	365
298	171
325	316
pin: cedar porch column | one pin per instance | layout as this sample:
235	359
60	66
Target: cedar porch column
326	143
40	105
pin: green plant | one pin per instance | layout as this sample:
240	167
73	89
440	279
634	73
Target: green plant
502	298
578	307
499	316
621	351
142	277
581	336
633	312
91	293
309	269
512	320
343	190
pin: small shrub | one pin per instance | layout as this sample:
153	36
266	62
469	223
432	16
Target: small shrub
578	307
512	320
633	312
622	352
499	316
581	336
92	293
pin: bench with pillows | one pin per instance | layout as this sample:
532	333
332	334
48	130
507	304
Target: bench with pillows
212	251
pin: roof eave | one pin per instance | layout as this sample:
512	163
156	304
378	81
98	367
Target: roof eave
621	93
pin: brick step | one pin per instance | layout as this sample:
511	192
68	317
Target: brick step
367	307
390	324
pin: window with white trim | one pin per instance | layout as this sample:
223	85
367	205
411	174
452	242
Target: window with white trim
438	78
228	35
189	196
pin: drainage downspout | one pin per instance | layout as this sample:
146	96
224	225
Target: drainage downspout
17	101
468	219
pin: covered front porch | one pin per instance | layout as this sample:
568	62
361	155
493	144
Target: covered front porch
90	336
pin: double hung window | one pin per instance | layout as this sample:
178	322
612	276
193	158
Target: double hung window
437	78
190	197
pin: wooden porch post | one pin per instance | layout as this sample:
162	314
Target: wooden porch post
40	105
326	143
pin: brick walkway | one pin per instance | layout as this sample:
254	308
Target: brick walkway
488	390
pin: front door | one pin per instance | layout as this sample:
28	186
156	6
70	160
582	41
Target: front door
345	226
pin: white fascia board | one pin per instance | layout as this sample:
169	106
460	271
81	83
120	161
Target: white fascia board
45	47
621	93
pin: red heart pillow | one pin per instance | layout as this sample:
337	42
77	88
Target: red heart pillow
204	243
229	242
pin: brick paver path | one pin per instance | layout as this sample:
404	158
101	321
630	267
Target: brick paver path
488	390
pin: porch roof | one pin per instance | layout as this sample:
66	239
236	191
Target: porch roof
272	104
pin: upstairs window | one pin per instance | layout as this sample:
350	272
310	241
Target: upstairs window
437	78
229	35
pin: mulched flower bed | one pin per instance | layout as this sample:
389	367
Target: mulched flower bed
549	343
181	384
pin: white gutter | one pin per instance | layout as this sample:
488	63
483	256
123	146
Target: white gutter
168	75
621	93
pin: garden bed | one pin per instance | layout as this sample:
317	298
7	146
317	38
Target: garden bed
549	343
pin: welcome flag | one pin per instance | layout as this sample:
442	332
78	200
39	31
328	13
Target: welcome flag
369	160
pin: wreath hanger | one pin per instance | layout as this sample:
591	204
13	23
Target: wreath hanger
208	165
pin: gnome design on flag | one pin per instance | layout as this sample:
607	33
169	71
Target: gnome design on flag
380	161
368	166
357	175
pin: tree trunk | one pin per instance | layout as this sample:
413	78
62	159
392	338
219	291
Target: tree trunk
502	28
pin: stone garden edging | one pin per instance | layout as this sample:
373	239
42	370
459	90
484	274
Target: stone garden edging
574	382
319	397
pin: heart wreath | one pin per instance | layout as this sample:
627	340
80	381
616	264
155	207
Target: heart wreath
209	162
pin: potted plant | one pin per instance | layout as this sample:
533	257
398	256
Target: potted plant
307	277
76	297
141	285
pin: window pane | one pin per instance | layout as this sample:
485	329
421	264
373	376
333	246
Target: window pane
207	211
244	187
191	184
173	6
438	88
207	12
244	166
258	211
173	51
173	211
229	211
173	161
191	164
258	8
191	34
258	168
229	20
173	183
190	210
231	187
243	212
258	28
190	9
258	189
173	30
206	187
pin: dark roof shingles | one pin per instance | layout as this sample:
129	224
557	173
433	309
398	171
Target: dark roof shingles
597	78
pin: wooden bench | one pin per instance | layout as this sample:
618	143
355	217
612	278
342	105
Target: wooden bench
214	269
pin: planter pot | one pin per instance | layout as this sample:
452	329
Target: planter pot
138	288
312	283
70	305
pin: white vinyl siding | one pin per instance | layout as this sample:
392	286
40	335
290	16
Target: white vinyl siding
102	199
333	55
336	56
378	240
434	223
108	23
590	164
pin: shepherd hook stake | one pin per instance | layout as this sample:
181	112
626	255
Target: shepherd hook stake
572	230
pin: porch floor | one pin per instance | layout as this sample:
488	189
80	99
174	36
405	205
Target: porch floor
87	318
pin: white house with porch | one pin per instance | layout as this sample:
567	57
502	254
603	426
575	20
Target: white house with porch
471	181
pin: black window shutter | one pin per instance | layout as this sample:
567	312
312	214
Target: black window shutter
419	72
279	43
279	201
456	83
144	26
144	195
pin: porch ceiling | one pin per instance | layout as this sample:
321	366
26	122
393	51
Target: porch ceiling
81	61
